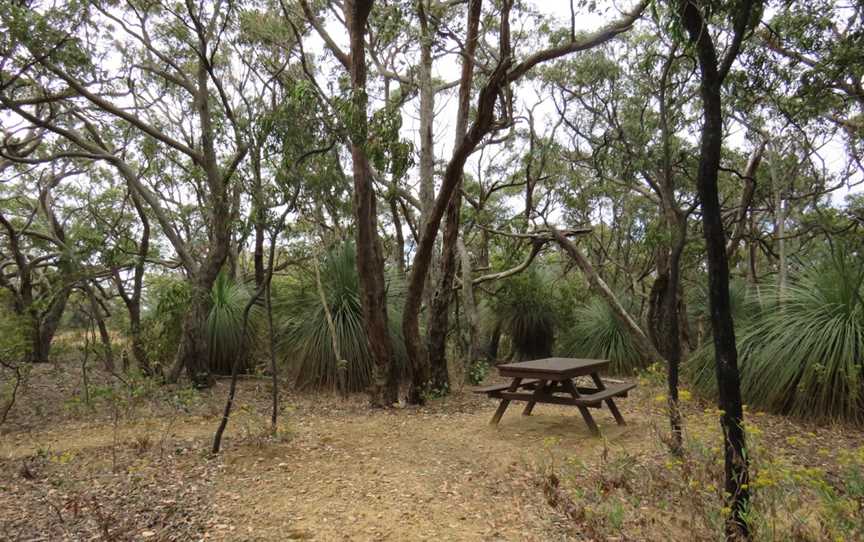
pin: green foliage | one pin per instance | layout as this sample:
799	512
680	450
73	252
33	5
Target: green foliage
802	355
14	330
162	324
228	300
598	333
745	306
477	371
305	341
527	312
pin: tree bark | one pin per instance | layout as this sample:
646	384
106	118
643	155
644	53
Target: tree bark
104	335
45	326
664	312
779	219
469	303
370	261
713	73
133	301
465	144
193	353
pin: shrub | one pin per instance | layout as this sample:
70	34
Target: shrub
598	333
803	353
525	307
305	340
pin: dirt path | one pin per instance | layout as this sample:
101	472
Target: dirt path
344	473
407	476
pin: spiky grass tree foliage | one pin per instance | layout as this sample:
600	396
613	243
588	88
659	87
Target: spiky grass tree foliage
699	368
598	333
162	325
305	339
803	354
228	299
526	309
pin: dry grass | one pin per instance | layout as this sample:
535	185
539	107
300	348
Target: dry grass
130	468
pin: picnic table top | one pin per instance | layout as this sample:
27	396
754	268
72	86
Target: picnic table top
553	367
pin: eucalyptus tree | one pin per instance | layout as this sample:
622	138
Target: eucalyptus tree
137	81
799	92
43	255
121	218
813	48
696	19
493	112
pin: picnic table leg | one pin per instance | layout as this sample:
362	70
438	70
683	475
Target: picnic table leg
586	415
619	419
502	406
540	390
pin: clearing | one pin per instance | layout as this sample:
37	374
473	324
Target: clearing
337	470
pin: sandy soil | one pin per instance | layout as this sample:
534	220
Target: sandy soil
339	471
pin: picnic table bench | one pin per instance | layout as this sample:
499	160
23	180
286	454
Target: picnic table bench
551	381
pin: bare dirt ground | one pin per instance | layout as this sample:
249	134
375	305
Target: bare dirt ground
336	471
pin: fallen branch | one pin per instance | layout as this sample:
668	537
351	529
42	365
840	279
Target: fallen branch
643	343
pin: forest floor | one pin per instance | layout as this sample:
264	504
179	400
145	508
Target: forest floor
135	465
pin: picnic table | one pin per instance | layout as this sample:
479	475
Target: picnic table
552	381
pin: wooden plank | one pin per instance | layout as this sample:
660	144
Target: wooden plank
528	397
539	391
502	406
586	415
602	395
552	368
613	408
526	383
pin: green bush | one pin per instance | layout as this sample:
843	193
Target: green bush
228	299
699	368
527	310
803	353
163	323
305	341
598	333
168	297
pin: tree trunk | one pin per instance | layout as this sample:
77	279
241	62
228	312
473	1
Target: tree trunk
259	212
133	301
193	351
737	494
45	326
370	262
469	303
439	378
445	202
664	311
779	219
427	114
104	336
399	257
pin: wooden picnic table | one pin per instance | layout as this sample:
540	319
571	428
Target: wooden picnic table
551	381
